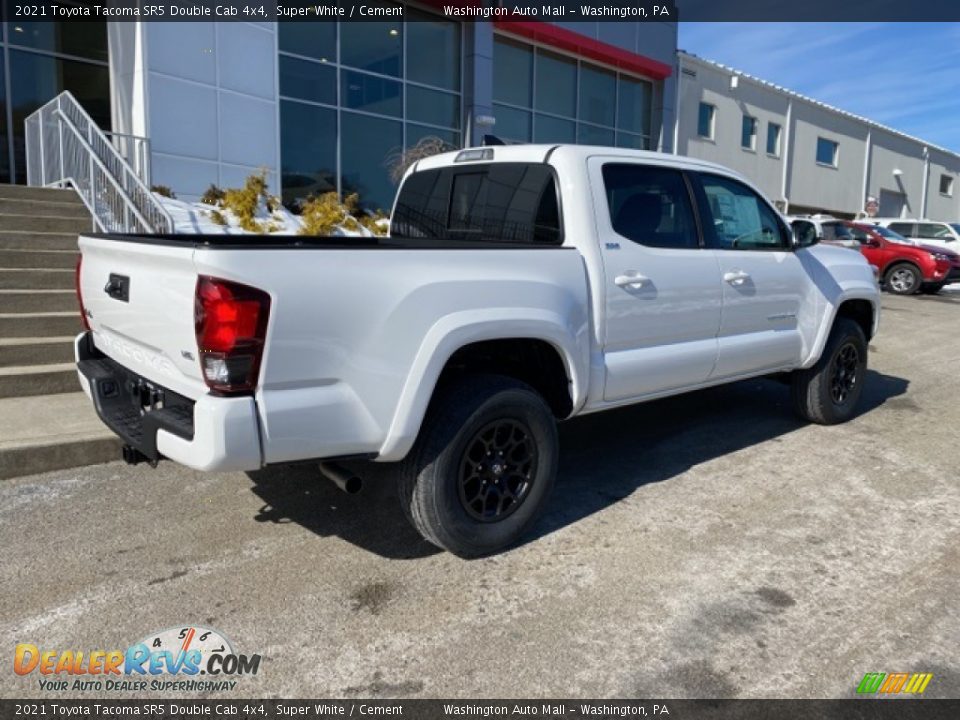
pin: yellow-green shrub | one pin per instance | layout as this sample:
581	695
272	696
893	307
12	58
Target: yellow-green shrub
322	214
213	195
244	202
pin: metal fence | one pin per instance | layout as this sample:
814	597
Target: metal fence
64	146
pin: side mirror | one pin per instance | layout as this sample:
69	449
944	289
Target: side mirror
804	235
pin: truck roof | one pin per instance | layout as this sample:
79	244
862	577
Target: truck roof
538	153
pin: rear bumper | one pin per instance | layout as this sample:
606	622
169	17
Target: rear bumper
211	433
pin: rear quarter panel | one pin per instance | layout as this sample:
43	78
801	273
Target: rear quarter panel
357	337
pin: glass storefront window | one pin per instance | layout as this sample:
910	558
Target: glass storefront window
432	106
427	41
593	135
416	133
365	143
376	47
556	84
512	73
402	79
547	129
79	39
512	124
598	96
573	100
308	150
360	91
307	80
635	105
629	140
4	137
311	39
35	79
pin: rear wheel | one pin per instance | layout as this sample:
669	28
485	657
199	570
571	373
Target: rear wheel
484	463
903	279
932	288
828	392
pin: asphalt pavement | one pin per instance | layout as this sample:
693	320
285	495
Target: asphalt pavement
710	545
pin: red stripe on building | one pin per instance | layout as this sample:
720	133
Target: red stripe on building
586	47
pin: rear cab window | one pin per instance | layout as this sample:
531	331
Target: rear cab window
494	202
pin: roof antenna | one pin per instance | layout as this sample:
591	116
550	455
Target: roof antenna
492	140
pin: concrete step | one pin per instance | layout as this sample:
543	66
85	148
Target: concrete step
49	324
28	380
23	192
52	432
38	301
35	351
38	258
43	208
12	240
32	223
36	278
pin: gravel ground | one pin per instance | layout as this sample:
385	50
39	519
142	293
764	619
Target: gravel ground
709	545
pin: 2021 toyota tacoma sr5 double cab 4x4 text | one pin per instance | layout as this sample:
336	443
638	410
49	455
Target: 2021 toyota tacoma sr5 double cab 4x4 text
519	286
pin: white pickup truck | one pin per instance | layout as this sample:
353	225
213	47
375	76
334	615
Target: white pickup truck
520	285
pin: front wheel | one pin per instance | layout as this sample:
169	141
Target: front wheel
903	279
828	392
482	467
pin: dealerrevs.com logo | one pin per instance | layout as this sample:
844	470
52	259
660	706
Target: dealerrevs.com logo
187	659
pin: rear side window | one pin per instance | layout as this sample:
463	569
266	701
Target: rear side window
499	202
650	205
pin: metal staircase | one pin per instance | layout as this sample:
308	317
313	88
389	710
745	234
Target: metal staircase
64	147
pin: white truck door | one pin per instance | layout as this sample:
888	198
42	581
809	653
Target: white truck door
762	279
661	287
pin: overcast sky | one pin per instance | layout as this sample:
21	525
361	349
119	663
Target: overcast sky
905	75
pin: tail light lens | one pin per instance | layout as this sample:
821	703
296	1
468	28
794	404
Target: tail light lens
83	310
231	327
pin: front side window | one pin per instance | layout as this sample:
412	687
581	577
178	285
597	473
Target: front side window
650	205
738	219
705	120
748	136
827	152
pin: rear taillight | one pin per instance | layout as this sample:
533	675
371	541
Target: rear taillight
231	326
83	311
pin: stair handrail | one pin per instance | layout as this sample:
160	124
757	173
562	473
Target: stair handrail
64	146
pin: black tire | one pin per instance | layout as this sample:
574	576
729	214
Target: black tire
455	496
827	393
903	279
932	288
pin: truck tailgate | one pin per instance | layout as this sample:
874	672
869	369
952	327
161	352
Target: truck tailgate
139	301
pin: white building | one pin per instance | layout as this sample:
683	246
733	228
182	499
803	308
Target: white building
806	155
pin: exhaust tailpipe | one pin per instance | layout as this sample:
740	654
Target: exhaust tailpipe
347	481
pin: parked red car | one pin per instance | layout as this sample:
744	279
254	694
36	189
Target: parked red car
904	267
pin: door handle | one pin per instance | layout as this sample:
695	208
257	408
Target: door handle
736	277
630	279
